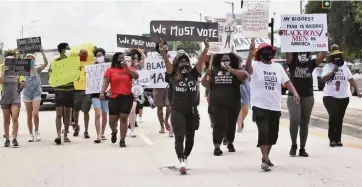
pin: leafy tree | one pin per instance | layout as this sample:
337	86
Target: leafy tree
189	47
10	52
343	24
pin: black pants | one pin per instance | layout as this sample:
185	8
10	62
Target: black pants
183	128
336	109
268	125
224	119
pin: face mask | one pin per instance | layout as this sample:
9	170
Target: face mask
338	61
266	56
225	63
83	58
302	58
100	59
67	53
32	63
184	69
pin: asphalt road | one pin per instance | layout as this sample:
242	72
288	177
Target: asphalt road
150	159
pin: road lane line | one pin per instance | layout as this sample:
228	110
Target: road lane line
145	139
285	124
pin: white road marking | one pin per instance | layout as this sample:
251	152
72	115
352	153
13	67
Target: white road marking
145	139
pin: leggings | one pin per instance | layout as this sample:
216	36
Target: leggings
183	128
336	108
299	115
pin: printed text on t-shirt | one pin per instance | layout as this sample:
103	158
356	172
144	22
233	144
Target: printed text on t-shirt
223	78
302	72
270	80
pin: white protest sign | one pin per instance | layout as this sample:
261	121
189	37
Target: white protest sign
94	77
157	68
241	43
304	32
255	18
144	78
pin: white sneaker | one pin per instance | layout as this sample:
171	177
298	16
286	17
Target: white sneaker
182	168
31	138
265	167
186	163
37	136
140	120
132	134
170	134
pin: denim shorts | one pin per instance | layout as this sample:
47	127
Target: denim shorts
103	105
30	96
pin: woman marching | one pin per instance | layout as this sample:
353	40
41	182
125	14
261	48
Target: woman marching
266	81
32	96
119	76
224	106
184	114
301	67
245	102
337	77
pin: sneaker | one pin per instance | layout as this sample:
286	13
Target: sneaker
86	135
7	143
135	124
339	144
122	143
332	143
182	168
132	134
31	138
140	120
58	141
269	163
231	147
37	136
264	166
302	153
170	134
114	137
15	143
240	130
218	152
293	150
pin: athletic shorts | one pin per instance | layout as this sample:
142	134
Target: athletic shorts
82	102
268	125
8	106
120	104
64	99
160	96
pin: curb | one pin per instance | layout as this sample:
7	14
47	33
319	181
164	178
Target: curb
348	129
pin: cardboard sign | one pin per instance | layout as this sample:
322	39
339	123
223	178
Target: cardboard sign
304	33
255	18
144	78
94	77
19	67
64	71
183	31
29	45
133	41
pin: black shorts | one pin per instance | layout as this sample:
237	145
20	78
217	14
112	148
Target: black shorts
64	99
268	125
82	102
139	107
120	104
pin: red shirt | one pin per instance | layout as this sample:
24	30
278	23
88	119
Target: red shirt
120	80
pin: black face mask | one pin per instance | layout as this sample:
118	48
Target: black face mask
339	61
184	69
266	55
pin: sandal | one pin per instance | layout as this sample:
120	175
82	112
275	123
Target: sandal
76	131
97	140
66	139
104	138
162	131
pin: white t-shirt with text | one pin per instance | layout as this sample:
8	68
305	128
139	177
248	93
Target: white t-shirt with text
339	86
266	85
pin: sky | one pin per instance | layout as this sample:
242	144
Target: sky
98	22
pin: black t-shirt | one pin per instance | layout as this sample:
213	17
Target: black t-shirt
301	76
224	88
184	91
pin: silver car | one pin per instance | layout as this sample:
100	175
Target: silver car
358	78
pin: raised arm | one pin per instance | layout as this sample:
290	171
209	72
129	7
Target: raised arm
328	75
289	57
320	58
248	65
169	66
206	79
43	66
202	57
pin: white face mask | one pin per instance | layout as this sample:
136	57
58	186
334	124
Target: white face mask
67	53
100	59
302	58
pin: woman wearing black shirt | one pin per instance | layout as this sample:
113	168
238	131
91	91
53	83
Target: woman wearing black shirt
301	67
224	106
184	116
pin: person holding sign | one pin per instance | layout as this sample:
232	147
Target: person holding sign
301	67
184	114
10	103
266	81
119	76
100	106
224	79
337	76
32	95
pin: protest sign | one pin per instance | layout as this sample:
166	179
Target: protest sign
144	78
225	43
183	31
94	77
254	21
157	69
29	45
64	71
19	67
304	33
80	84
132	41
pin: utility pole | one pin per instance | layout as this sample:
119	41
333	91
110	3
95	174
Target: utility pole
22	32
301	6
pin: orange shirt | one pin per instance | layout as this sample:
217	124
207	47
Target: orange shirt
120	81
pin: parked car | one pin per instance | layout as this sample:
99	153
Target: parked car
319	70
358	78
284	63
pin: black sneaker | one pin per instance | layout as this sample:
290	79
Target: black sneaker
217	152
114	137
136	124
293	150
269	163
86	135
76	132
7	143
231	147
332	143
225	141
15	143
122	143
339	144
58	141
302	153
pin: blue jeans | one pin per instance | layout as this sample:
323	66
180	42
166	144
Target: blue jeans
103	105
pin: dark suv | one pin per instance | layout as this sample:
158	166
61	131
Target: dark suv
284	63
